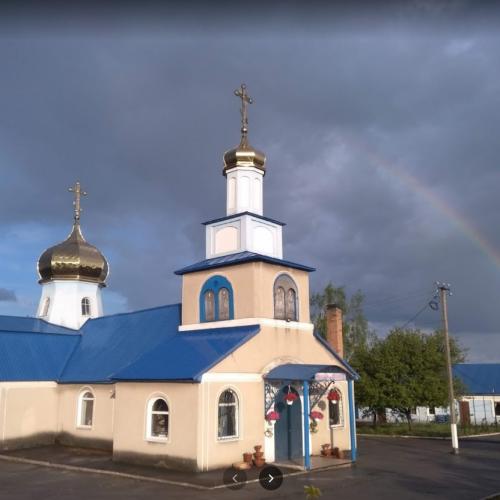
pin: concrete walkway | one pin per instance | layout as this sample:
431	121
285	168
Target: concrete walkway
95	461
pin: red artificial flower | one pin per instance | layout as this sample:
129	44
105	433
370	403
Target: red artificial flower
291	396
273	415
333	396
316	415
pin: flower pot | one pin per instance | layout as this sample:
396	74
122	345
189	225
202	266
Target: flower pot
258	454
257	447
289	402
259	462
335	452
247	457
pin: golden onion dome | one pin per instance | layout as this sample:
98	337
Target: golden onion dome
244	155
73	259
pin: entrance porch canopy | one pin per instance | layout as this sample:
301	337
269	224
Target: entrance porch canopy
309	373
312	376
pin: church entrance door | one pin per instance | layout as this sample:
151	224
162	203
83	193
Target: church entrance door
288	429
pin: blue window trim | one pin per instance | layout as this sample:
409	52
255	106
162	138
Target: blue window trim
215	283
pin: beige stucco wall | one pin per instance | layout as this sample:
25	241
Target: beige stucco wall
130	441
216	453
100	435
252	288
273	346
338	436
28	413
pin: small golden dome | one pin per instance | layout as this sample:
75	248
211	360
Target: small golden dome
244	156
73	259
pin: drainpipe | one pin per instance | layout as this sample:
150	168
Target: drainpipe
307	436
352	419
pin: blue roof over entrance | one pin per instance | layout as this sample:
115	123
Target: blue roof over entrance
291	371
479	378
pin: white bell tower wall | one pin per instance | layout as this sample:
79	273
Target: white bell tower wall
61	302
244	190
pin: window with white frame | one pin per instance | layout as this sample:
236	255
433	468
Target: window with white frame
335	408
228	415
86	311
85	409
45	308
157	419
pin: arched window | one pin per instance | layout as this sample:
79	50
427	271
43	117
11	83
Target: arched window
85	409
45	308
335	408
285	298
216	300
228	415
209	299
157	419
223	304
86	307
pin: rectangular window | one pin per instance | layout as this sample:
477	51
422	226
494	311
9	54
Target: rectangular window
497	409
432	410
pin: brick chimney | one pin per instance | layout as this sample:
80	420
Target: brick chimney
334	328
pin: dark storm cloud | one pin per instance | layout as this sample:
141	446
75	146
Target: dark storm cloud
7	295
381	141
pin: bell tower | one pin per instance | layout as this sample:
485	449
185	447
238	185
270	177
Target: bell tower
244	228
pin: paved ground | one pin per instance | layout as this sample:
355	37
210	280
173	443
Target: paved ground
387	468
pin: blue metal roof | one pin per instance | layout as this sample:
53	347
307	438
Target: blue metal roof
29	324
187	355
479	378
110	343
291	371
227	217
34	356
240	258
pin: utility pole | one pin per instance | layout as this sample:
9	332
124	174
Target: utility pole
444	290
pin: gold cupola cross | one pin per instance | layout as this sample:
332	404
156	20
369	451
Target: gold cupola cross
245	101
77	190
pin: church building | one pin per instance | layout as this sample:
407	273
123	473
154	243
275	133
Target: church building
192	385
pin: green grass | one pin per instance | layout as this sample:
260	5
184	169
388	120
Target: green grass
424	430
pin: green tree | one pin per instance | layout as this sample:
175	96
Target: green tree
407	369
355	324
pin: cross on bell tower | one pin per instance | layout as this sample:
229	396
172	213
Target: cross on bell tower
76	203
245	101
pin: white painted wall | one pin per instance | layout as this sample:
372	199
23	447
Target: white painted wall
241	233
65	302
244	190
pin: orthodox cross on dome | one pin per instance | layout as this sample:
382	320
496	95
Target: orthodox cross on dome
245	101
76	203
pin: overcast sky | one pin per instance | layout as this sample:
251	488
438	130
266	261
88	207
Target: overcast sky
381	130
